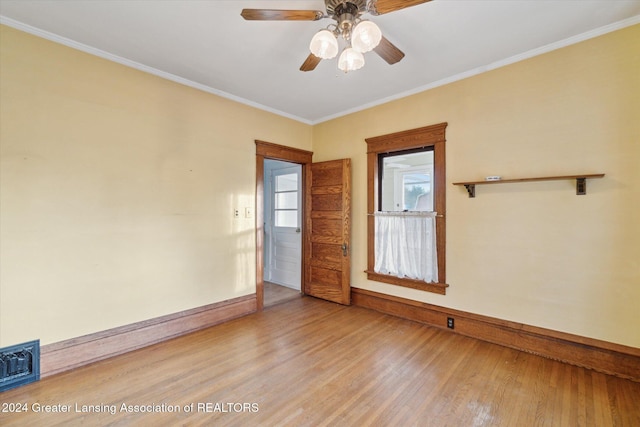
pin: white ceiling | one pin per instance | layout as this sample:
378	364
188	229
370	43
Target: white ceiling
208	45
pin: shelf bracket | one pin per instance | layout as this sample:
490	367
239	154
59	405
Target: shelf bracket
581	186
471	189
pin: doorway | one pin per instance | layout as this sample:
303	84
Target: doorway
283	224
265	153
326	212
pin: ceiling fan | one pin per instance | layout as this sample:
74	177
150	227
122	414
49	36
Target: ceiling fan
360	35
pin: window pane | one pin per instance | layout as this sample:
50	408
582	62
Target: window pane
286	218
288	182
287	200
406	183
417	192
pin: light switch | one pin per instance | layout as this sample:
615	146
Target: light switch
248	212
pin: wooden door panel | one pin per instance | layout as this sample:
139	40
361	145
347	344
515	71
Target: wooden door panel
325	277
326	202
326	230
328	188
327	175
326	283
327	256
327	244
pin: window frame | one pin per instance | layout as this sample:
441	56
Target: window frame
428	136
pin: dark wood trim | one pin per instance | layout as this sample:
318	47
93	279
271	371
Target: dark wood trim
438	288
259	210
609	358
268	150
280	152
75	352
433	135
408	139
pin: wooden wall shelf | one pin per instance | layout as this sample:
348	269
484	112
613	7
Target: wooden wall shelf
581	182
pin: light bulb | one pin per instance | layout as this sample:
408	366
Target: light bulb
350	60
365	36
324	45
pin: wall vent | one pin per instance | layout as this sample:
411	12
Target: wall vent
19	364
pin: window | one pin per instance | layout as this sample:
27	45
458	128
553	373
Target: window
406	173
286	202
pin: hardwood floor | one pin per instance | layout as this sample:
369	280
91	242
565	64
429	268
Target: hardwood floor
307	362
275	294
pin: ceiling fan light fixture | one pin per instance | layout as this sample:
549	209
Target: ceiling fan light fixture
350	60
365	36
324	44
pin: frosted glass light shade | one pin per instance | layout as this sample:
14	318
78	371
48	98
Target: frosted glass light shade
365	36
324	45
350	60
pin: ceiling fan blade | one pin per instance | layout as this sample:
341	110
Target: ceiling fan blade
381	7
281	15
388	51
310	63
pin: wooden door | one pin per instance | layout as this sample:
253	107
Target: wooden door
327	243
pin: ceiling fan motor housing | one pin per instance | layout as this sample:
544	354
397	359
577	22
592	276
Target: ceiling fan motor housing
345	13
335	8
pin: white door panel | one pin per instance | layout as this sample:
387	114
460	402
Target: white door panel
283	200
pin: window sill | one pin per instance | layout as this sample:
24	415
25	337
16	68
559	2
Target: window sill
438	288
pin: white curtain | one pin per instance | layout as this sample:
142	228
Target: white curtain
405	245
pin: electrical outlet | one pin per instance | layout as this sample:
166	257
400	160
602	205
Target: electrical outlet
236	213
450	323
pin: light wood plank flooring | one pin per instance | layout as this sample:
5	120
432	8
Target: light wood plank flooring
307	362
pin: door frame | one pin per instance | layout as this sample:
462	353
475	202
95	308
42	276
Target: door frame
268	150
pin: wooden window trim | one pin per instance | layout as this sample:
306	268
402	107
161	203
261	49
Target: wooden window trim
410	139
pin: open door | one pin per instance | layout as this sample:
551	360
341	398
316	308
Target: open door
328	224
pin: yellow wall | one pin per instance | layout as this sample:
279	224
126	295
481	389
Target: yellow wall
534	252
117	192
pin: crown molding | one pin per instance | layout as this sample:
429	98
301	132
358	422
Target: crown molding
141	67
492	66
460	76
